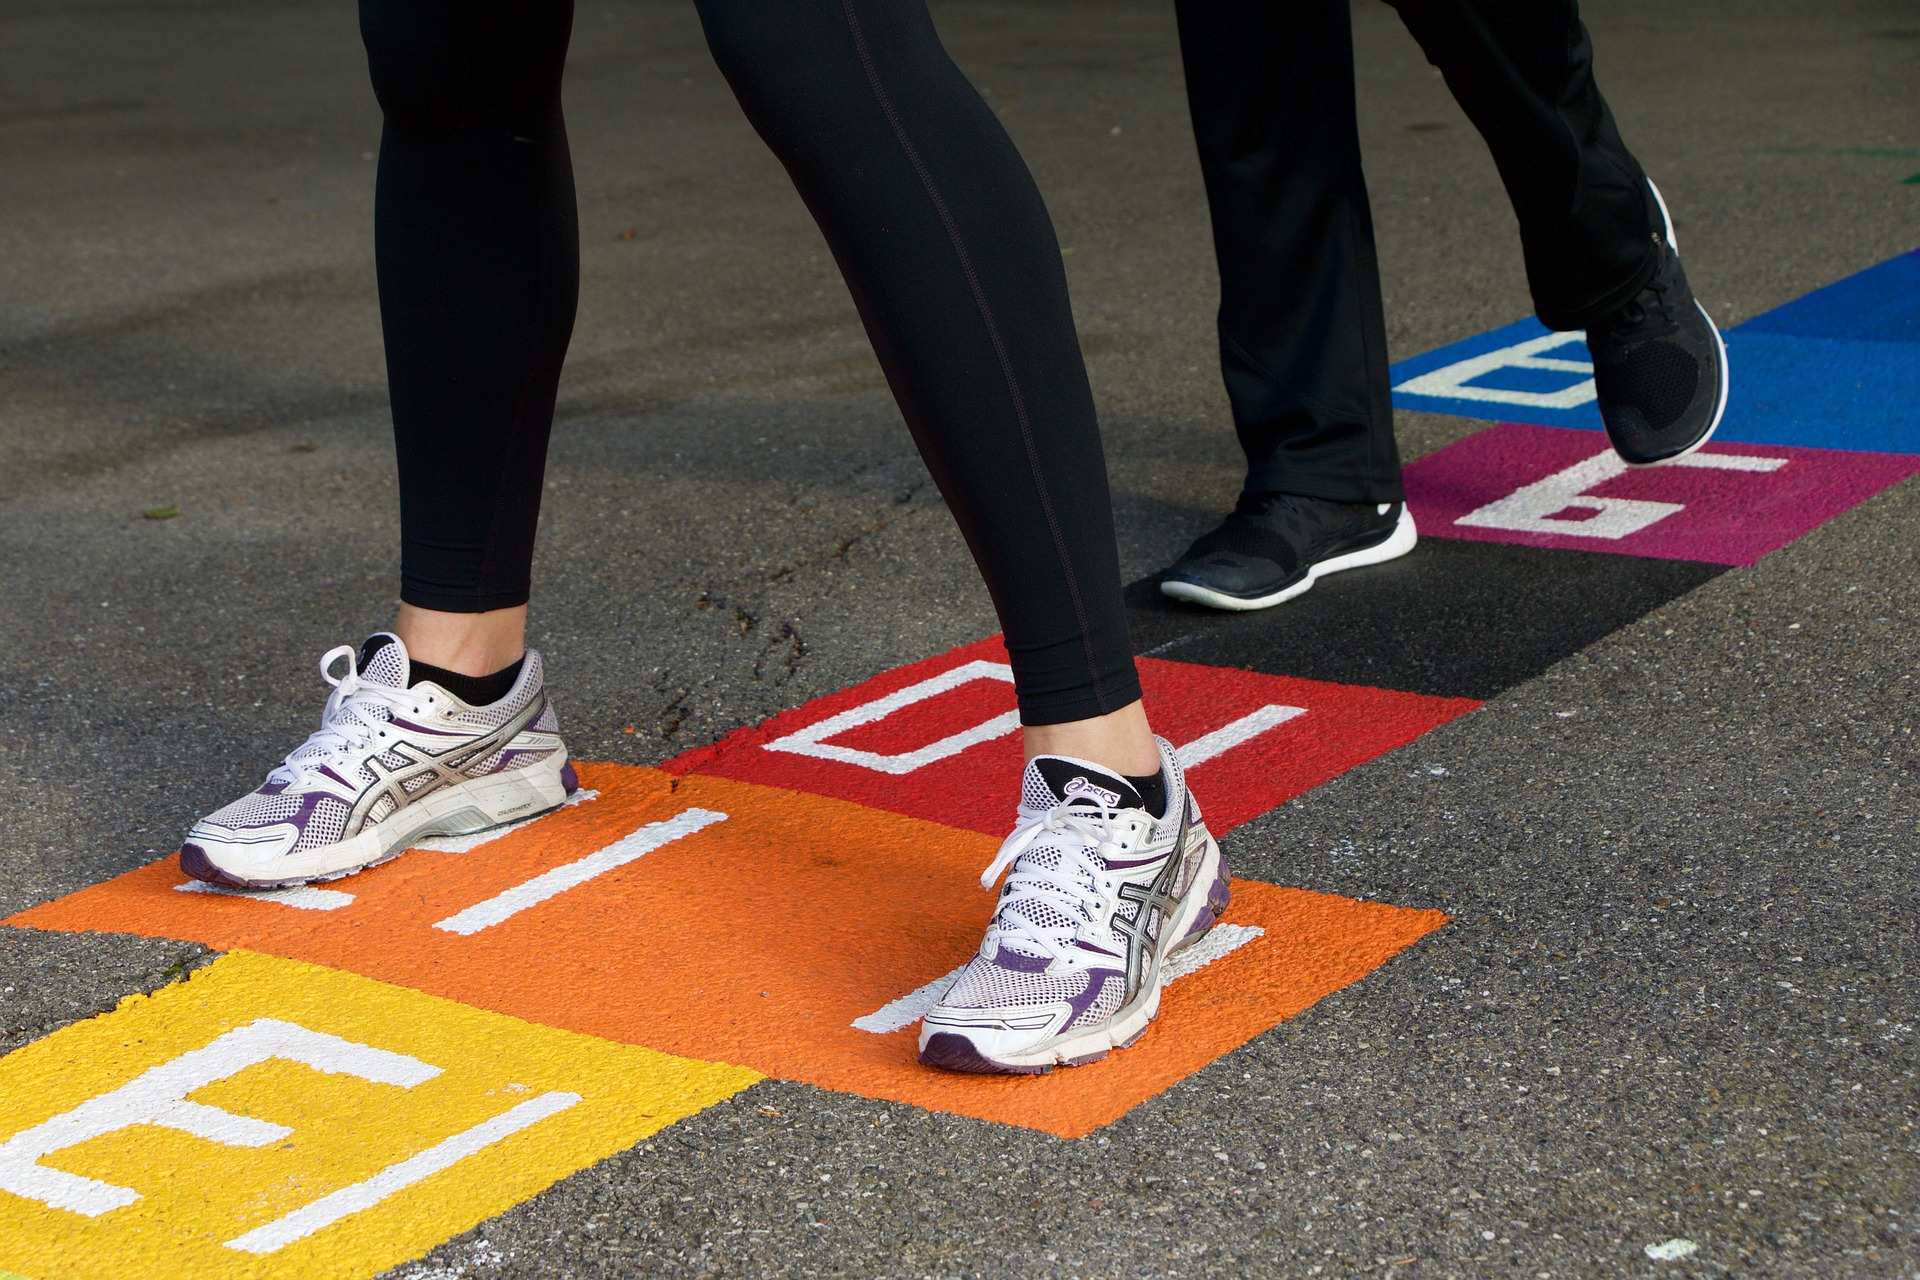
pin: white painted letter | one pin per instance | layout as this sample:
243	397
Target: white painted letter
158	1096
1533	508
1450	382
812	740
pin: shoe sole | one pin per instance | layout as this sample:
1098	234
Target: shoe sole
470	807
1396	544
953	1051
1726	378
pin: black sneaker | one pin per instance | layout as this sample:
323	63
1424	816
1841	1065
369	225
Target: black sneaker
1659	366
1275	545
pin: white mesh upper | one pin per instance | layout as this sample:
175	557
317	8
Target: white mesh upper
986	985
1043	905
388	667
256	810
327	825
1035	794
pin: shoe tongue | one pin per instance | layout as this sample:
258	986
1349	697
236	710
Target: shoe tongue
1052	780
383	660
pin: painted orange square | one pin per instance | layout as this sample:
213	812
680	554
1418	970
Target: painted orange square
757	941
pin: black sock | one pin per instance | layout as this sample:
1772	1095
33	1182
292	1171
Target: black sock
477	691
1153	792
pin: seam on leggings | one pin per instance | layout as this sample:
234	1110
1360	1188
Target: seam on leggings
543	309
993	334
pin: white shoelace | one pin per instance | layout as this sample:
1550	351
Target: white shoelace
1073	889
356	714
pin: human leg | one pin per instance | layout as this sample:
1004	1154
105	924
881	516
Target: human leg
478	255
952	261
1302	336
1303	348
1522	70
1598	244
443	724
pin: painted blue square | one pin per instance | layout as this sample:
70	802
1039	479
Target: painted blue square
1880	304
1836	369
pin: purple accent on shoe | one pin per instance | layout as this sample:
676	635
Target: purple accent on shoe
1096	983
1219	893
309	801
1020	961
568	778
1084	945
951	1052
1084	1059
326	769
195	863
510	758
1134	1039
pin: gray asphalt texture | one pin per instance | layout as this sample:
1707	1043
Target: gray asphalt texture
1679	995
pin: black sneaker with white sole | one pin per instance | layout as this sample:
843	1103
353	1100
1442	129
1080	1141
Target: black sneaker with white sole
1274	546
1659	366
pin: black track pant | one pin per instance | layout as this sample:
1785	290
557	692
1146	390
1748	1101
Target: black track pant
929	210
1302	339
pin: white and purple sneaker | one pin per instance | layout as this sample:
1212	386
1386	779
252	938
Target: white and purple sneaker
1099	894
391	764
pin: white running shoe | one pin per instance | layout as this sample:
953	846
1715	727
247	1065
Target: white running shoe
391	763
1099	894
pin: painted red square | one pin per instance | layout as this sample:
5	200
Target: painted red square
1299	733
1555	487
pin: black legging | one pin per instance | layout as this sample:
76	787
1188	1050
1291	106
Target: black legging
929	210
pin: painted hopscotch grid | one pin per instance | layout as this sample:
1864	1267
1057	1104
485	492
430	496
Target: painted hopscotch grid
242	1029
835	911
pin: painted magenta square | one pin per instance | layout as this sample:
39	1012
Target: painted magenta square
1268	738
1554	487
758	939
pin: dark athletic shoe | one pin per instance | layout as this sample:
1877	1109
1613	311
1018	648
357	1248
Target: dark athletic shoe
1659	367
1275	546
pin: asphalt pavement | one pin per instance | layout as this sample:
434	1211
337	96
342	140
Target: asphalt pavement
1678	995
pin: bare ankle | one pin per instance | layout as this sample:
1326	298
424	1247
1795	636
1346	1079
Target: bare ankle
1120	740
472	644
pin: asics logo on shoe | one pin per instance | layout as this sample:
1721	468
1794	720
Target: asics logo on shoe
1156	902
1082	787
443	770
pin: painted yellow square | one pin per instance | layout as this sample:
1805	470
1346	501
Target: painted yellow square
351	1139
